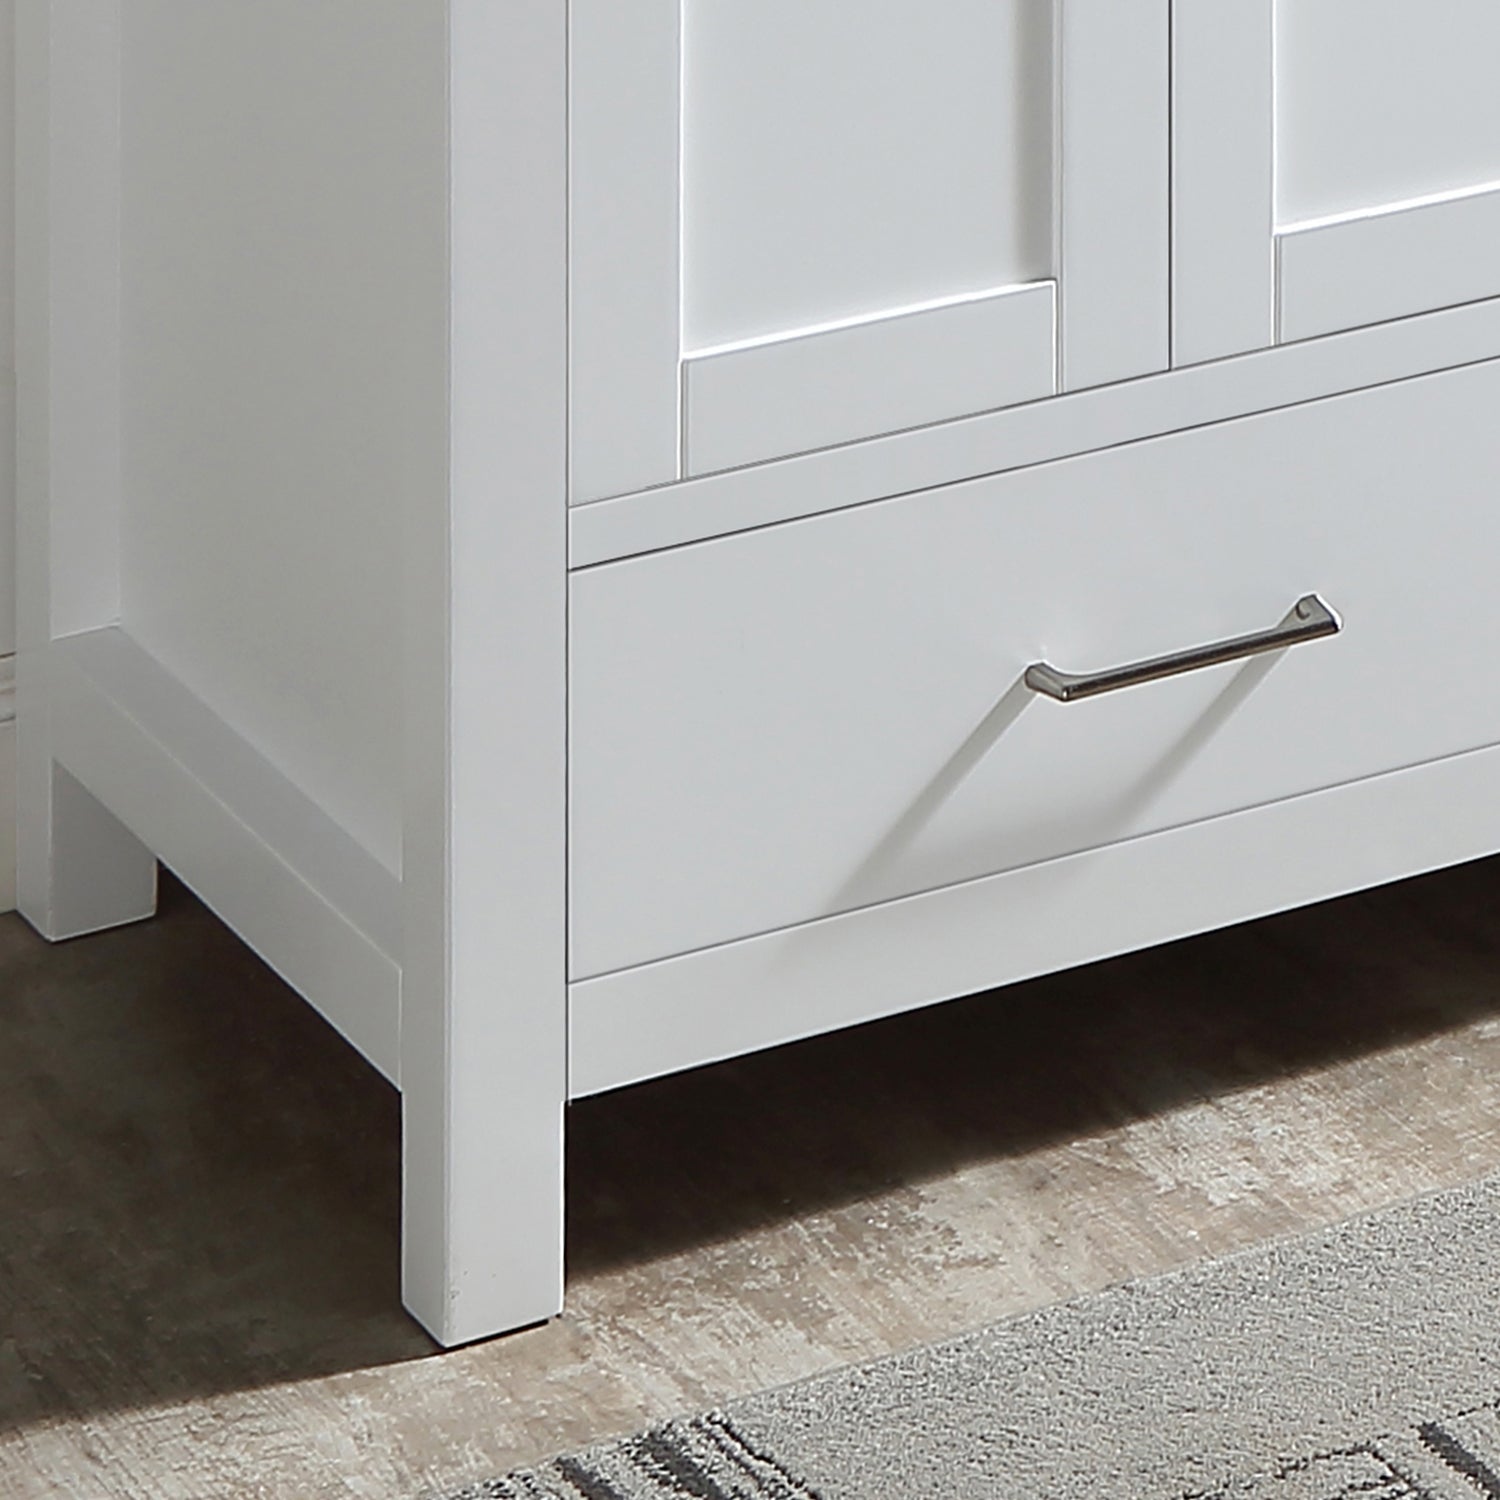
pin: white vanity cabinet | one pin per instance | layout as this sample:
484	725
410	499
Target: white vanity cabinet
802	222
602	536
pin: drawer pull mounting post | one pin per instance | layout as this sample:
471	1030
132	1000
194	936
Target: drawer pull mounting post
1309	619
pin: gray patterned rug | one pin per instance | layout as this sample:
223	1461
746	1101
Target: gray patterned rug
1358	1363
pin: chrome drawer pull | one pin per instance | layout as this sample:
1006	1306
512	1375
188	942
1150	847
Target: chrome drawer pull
1309	619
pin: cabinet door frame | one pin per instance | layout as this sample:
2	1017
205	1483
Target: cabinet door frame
1240	280
646	411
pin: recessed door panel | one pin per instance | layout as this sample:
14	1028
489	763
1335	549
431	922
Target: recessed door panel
836	167
1381	101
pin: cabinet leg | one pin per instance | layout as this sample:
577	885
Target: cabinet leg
482	1182
484	998
78	868
484	1087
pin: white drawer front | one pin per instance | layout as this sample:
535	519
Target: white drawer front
790	723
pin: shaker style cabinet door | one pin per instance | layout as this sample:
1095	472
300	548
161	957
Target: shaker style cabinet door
1336	163
797	223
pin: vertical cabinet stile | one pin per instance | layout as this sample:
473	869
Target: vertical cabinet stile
624	292
1223	187
1112	186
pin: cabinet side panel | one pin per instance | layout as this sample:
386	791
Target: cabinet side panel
283	227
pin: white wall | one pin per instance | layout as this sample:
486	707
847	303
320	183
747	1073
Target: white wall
7	466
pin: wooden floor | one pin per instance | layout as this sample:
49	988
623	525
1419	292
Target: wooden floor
198	1190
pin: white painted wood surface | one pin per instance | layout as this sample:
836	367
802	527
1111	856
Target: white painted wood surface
8	816
839	164
771	728
800	981
1379	101
260	550
7	461
7	347
325	376
1113	214
625	261
77	868
1368	268
321	910
1353	145
484	1000
7	781
825	179
882	374
902	463
1223	179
